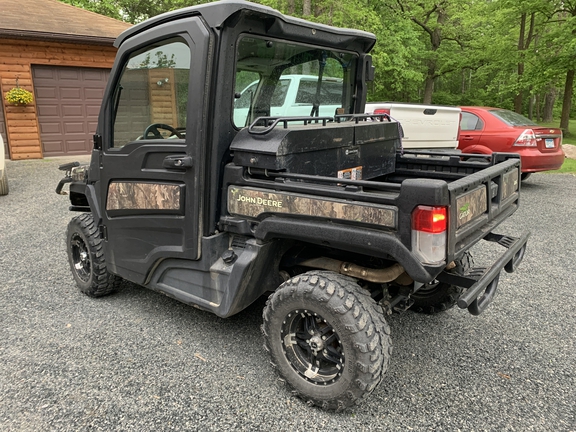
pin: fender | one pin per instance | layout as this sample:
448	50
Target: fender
353	239
477	149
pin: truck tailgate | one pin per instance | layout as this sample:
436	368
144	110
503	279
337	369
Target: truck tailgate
480	202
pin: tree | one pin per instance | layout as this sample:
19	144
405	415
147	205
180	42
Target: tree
132	11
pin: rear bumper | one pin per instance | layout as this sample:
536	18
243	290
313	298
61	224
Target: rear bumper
534	160
481	283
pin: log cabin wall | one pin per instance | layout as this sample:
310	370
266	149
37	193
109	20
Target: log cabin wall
16	60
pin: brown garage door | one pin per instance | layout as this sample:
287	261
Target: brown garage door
68	101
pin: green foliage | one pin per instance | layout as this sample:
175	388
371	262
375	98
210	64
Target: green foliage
132	11
468	50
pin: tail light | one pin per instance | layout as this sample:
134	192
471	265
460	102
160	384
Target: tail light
429	225
526	139
382	111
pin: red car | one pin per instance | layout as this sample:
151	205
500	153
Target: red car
485	130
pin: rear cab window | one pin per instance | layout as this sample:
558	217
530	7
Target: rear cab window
280	79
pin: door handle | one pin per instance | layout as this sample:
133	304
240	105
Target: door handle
177	162
467	138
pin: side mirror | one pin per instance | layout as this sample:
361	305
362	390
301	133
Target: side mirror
369	69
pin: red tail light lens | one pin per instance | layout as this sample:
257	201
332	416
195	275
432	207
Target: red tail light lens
527	139
432	220
382	111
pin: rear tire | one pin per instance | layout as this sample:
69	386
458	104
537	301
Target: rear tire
86	258
436	296
525	176
4	184
327	339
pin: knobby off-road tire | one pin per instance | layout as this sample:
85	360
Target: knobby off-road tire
86	258
327	338
438	297
4	184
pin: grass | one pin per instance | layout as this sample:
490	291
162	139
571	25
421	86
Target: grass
569	166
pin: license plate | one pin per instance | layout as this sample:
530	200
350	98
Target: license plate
549	143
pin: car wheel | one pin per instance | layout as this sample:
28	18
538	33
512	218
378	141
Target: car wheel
86	258
327	338
525	176
435	296
4	184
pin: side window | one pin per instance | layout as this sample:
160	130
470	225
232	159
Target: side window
330	92
151	96
279	95
470	122
246	96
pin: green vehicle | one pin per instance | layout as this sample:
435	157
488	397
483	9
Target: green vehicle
325	214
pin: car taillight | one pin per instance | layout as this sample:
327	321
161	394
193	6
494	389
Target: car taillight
429	225
382	111
526	139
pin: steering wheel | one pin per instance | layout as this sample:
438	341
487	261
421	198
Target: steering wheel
153	128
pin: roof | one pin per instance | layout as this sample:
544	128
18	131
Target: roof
57	21
216	13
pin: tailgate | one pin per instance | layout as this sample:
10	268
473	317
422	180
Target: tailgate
480	202
428	126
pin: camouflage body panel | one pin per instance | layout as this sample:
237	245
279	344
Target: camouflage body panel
253	203
471	205
79	174
509	183
143	196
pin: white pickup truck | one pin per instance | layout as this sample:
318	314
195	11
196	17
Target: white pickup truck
425	126
293	96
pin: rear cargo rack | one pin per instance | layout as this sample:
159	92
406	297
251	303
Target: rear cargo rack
271	122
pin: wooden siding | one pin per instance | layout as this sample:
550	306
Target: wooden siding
163	96
16	60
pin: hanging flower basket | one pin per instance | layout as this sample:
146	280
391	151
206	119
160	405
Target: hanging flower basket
19	96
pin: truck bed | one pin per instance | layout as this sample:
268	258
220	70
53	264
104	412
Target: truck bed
479	195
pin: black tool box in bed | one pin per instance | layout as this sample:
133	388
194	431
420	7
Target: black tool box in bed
348	149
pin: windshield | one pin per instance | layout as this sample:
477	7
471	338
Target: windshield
512	118
281	79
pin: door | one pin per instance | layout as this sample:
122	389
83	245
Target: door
470	130
152	137
68	102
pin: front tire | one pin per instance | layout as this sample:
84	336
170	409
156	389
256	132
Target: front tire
86	258
437	296
327	338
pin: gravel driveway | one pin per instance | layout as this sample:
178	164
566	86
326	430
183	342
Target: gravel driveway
140	361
